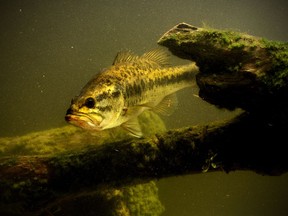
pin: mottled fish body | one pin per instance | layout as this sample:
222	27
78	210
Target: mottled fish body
133	84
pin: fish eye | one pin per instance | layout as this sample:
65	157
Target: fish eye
89	102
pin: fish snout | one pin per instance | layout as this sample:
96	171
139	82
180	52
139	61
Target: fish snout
69	112
68	115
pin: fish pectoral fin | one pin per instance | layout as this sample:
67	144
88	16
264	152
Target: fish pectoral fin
167	106
133	127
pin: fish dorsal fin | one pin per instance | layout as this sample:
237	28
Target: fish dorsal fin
157	56
125	56
133	127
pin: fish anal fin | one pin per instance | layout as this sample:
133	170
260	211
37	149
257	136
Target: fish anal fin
167	106
133	127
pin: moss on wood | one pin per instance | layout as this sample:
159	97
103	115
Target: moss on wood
47	171
236	69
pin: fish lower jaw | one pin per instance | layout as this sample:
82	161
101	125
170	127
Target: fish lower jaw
81	122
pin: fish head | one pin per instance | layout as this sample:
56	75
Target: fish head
82	114
96	110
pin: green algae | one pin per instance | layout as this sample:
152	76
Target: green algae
277	74
60	150
132	200
142	199
229	52
68	138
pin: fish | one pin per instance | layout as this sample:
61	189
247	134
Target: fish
117	95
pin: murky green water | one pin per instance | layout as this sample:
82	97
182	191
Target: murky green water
50	49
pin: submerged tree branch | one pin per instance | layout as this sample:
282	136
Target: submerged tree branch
233	145
236	70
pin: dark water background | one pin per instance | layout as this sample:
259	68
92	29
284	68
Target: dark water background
50	49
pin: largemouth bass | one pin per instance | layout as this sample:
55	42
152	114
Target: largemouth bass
119	94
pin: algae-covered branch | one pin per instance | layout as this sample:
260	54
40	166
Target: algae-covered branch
236	69
106	172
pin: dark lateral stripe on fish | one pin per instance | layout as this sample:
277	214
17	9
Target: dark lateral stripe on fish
134	89
162	81
137	89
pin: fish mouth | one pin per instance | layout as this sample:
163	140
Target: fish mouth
83	120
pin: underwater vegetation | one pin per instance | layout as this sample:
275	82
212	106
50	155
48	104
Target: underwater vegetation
61	144
68	138
236	70
136	200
